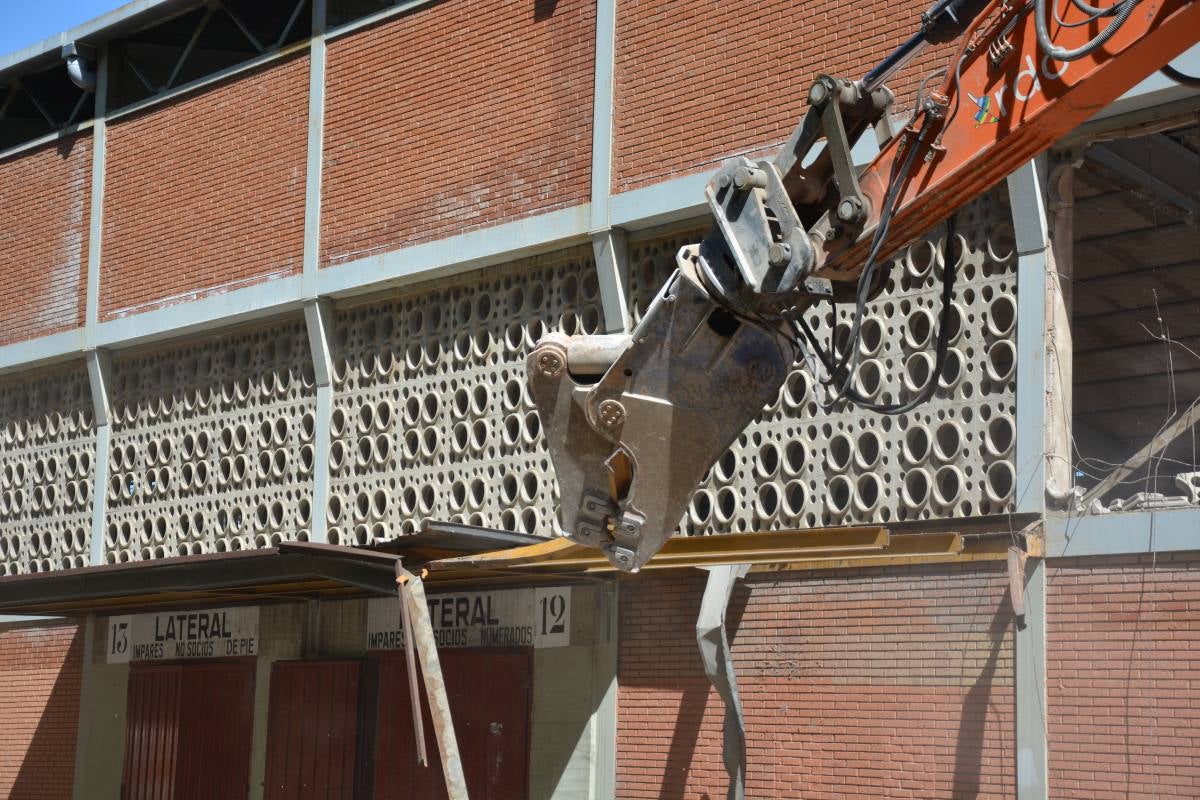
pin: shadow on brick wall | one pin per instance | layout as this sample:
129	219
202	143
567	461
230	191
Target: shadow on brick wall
972	723
48	769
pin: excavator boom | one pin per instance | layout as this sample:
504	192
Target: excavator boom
633	422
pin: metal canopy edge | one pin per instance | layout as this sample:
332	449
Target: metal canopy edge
292	571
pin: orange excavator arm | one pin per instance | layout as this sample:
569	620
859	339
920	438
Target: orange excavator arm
634	421
1004	100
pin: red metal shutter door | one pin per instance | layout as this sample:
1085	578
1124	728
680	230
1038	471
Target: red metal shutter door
490	695
151	732
217	725
188	730
312	730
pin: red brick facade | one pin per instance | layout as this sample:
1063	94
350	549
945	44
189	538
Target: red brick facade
40	667
867	684
1123	677
45	200
455	116
699	82
206	193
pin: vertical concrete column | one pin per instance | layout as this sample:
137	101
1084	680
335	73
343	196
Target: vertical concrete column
100	379
1032	236
612	268
1035	398
1060	199
101	740
604	694
1030	663
316	147
317	319
98	364
317	314
602	112
608	244
86	689
96	217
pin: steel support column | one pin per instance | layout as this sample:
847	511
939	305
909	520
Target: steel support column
317	319
100	379
1030	665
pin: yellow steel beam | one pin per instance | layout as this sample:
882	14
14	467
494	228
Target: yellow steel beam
562	556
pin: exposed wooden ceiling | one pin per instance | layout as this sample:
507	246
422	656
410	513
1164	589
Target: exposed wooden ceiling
1136	298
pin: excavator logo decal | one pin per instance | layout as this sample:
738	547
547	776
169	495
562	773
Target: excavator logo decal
984	115
989	108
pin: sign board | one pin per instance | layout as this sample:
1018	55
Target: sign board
532	617
207	633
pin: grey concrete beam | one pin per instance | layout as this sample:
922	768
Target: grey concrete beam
682	198
1134	533
456	254
41	351
611	250
257	301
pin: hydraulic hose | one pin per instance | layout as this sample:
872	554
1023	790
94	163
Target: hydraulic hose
1123	10
1182	79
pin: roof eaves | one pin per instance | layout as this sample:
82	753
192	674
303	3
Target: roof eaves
129	17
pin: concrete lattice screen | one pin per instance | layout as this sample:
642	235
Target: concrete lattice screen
432	420
47	451
798	466
213	444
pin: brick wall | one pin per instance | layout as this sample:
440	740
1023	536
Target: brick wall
876	683
206	193
698	82
1123	677
45	199
455	116
39	692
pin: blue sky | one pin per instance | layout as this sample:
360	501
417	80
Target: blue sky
24	22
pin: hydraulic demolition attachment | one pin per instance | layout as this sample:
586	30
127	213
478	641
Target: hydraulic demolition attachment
634	421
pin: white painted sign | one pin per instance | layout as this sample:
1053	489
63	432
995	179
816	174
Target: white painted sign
533	617
207	633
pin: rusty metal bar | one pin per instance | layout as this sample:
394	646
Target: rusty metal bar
410	658
435	685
